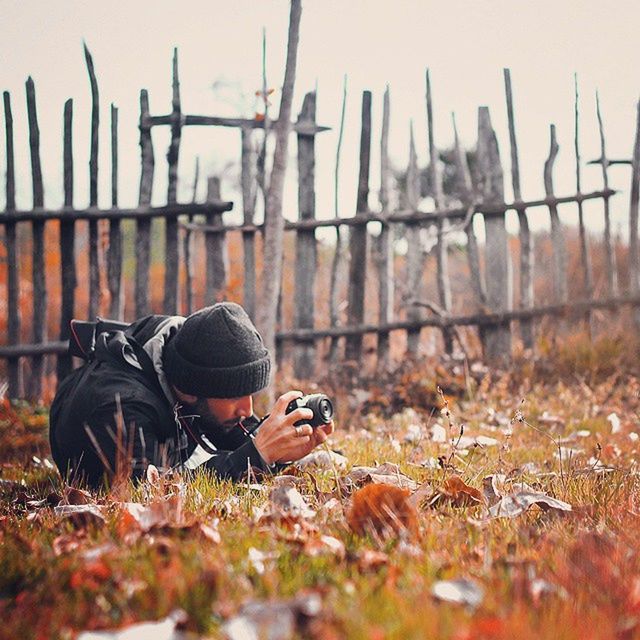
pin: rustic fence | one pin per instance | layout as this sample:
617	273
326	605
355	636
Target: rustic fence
490	277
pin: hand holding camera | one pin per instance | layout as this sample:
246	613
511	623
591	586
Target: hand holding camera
296	426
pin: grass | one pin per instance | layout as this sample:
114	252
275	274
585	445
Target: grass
544	574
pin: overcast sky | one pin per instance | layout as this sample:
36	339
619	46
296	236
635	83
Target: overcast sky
465	44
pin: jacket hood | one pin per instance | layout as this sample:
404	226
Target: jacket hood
151	333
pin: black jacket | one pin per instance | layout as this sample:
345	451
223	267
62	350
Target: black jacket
116	414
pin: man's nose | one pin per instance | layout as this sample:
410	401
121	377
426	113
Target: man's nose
245	406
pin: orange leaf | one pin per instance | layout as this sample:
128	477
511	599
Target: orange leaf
382	509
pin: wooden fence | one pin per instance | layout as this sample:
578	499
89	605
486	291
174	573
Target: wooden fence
495	311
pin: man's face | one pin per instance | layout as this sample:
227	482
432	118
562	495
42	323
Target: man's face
223	413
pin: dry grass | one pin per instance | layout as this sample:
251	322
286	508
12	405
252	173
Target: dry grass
544	574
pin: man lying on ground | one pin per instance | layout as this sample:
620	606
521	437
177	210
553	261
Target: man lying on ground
176	393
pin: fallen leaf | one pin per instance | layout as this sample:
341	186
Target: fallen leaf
514	504
457	493
387	473
274	620
81	515
162	630
615	423
323	460
383	510
289	501
461	591
324	545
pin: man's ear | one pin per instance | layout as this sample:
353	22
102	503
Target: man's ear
184	397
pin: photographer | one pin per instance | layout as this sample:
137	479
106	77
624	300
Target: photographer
176	392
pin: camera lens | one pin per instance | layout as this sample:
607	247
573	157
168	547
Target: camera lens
325	409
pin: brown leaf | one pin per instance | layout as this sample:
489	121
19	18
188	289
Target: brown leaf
458	494
382	510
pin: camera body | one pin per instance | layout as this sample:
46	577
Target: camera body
319	403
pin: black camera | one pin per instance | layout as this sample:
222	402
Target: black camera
319	403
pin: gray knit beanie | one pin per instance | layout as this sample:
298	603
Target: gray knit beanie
217	353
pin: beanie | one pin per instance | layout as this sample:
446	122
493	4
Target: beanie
217	353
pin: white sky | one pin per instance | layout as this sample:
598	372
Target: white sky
466	44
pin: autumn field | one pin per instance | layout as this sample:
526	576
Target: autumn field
454	501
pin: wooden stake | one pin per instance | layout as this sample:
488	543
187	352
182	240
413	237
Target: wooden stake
38	226
497	339
557	232
358	238
13	257
612	271
143	227
94	244
67	244
306	258
114	256
385	241
171	254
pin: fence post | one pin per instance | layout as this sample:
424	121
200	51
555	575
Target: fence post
385	241
171	254
67	244
114	256
187	249
94	244
634	266
358	237
612	272
415	257
249	193
13	257
557	233
306	258
216	248
38	226
497	338
466	187
143	227
526	245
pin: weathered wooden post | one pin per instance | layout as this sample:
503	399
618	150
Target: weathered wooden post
584	241
557	232
337	264
67	244
415	256
38	227
143	226
634	262
612	270
497	338
114	256
468	198
444	285
187	251
384	253
249	193
306	259
171	254
216	248
358	237
94	243
526	244
13	256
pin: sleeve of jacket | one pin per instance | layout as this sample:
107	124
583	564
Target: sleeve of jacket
231	465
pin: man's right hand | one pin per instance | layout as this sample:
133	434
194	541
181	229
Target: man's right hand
277	440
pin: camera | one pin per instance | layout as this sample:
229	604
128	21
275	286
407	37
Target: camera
319	403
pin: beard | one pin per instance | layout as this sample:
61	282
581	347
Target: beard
226	436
